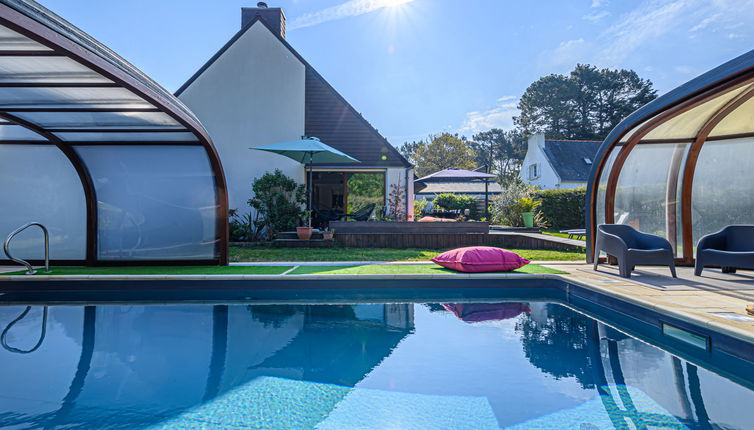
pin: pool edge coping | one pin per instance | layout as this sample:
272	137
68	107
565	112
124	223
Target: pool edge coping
693	317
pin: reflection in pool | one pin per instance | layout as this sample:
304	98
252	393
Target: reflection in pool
409	366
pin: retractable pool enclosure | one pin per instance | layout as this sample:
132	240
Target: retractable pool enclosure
116	167
682	166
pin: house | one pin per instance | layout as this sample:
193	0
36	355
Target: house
456	181
558	163
257	90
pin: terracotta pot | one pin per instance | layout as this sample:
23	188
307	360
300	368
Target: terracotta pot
304	233
327	235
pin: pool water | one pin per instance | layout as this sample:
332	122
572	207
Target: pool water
532	365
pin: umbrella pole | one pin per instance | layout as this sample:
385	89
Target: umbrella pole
309	196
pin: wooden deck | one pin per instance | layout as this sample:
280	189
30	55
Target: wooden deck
738	285
456	240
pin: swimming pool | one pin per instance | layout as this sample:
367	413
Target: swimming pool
445	358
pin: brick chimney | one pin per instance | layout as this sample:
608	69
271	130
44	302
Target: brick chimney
272	16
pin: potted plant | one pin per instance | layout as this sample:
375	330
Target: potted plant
305	232
328	233
526	206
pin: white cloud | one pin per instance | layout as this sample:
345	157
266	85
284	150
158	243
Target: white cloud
501	116
646	25
706	22
569	52
598	3
343	10
597	16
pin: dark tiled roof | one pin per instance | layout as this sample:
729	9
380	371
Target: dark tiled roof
329	117
459	188
455	174
567	157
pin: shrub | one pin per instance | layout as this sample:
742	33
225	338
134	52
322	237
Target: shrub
563	208
452	202
278	200
241	227
420	206
504	209
395	203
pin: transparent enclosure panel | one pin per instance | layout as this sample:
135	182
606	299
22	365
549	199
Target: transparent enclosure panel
600	203
130	136
129	120
722	192
95	97
642	199
153	202
365	189
39	183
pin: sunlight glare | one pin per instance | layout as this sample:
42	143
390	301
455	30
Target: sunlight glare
394	3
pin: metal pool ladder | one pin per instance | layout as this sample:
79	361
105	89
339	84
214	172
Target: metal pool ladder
30	270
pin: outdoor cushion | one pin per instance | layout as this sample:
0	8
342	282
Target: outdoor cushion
475	259
435	219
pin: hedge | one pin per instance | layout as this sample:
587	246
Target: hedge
452	202
563	209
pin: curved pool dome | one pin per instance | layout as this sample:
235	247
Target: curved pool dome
681	166
117	168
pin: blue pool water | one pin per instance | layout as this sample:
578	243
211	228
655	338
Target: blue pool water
532	365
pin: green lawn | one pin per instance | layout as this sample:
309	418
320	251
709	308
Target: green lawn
267	253
400	269
370	269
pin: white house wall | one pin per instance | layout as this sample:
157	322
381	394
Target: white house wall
252	95
547	179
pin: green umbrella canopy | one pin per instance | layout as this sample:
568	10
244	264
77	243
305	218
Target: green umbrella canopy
308	150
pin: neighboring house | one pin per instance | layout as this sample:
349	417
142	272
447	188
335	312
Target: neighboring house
456	181
558	163
258	90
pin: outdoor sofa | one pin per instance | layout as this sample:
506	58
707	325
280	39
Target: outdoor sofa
730	248
631	248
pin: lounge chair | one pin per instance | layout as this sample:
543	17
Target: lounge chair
631	248
362	214
730	248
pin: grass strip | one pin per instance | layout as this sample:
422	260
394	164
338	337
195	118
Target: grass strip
402	269
338	253
163	270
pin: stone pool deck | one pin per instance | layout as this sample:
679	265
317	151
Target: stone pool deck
715	300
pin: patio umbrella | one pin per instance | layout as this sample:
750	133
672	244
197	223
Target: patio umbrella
308	150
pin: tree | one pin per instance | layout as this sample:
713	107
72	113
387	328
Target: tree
440	152
502	151
278	200
586	104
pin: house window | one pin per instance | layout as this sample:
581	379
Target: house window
534	171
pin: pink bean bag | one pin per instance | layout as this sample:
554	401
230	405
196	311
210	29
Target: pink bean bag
474	259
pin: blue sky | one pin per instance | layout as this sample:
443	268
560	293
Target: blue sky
414	67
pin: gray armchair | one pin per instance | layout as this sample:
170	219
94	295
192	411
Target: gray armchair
631	248
730	248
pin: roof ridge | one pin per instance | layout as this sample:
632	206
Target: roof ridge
573	140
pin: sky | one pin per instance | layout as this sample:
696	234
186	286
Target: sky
415	67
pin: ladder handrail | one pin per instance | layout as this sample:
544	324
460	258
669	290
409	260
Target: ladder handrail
30	270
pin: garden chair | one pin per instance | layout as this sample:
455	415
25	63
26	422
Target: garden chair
730	248
631	248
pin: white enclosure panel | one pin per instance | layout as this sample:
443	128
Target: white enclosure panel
153	202
39	183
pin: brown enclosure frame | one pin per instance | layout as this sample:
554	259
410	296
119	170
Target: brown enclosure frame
730	76
64	40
